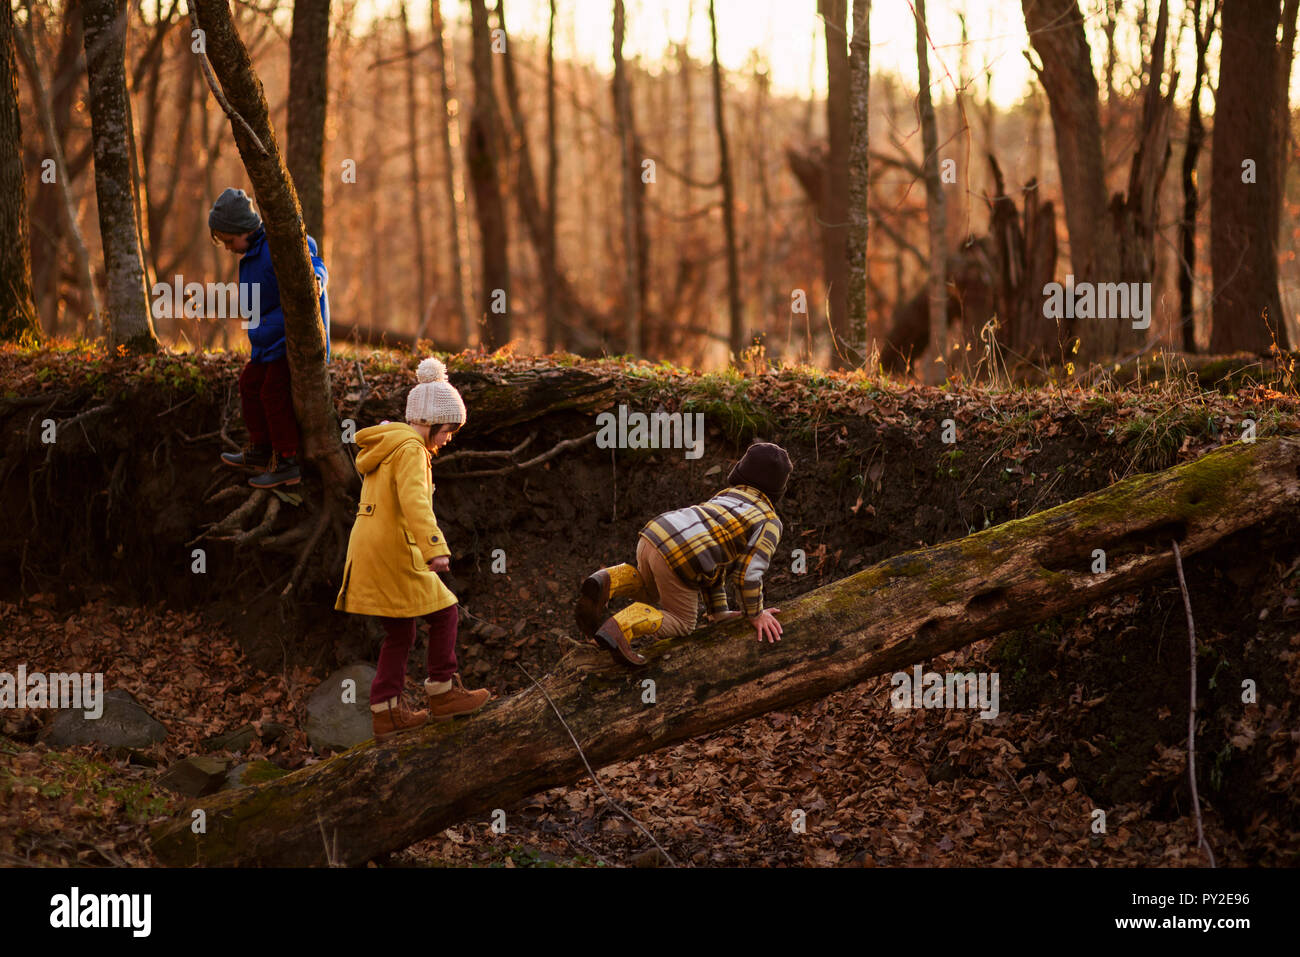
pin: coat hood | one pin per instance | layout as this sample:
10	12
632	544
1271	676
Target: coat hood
380	441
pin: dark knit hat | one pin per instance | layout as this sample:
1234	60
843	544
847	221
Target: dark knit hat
766	467
233	213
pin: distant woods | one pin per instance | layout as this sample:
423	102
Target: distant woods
471	185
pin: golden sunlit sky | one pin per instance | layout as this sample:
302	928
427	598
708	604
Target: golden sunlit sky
788	35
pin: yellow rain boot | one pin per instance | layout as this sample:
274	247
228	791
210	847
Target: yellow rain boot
617	581
634	621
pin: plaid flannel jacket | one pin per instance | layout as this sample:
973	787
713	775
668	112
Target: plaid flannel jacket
736	531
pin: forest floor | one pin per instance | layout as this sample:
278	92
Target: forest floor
1093	714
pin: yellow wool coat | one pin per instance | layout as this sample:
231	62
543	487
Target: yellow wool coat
395	534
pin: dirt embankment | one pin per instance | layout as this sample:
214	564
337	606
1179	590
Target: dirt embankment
109	509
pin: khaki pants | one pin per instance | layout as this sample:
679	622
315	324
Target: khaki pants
678	600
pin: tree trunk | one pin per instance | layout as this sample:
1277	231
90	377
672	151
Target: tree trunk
1109	242
1191	191
835	185
634	325
900	612
859	180
1282	121
1026	246
278	203
449	135
422	302
67	204
549	298
932	369
309	53
47	244
129	321
18	319
483	156
736	331
538	222
1244	192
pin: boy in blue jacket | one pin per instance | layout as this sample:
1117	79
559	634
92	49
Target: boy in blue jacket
264	392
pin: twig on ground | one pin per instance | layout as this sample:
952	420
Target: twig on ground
1191	711
618	807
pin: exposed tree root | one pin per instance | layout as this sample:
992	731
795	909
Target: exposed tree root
517	466
227	494
321	524
263	528
492	454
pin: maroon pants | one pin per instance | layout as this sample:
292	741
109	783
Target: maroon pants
390	673
268	406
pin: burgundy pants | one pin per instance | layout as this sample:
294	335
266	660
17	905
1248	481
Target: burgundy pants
390	673
268	406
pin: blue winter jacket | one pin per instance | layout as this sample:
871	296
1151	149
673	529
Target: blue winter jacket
255	272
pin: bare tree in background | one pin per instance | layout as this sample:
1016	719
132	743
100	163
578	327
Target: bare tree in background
1109	241
1191	191
1282	114
835	184
62	92
859	178
422	300
932	368
736	332
449	136
18	319
63	184
1244	193
634	252
484	152
309	52
129	321
549	305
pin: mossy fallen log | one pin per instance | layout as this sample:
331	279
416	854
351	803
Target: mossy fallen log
378	798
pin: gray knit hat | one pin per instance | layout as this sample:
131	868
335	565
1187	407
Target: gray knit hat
434	400
233	213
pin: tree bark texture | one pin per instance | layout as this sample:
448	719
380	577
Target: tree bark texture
309	53
483	155
128	319
735	326
1244	207
859	179
18	319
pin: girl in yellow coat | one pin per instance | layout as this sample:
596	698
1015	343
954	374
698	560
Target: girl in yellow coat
396	551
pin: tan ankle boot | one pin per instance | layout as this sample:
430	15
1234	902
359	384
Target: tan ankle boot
393	717
451	699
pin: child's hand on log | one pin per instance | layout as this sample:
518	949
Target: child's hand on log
766	625
440	564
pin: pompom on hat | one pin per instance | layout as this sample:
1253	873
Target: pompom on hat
434	400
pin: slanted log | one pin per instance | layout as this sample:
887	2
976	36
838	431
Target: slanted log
915	606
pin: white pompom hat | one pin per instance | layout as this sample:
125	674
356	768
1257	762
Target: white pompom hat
434	400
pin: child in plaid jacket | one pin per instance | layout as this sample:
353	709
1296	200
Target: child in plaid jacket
698	549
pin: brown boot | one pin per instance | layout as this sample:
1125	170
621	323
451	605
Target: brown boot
616	581
393	717
451	699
